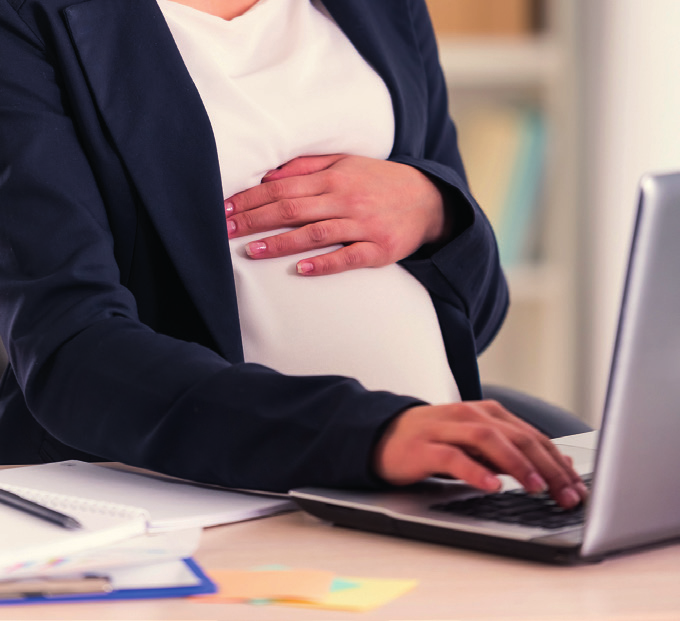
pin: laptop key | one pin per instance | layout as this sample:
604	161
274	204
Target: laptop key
516	507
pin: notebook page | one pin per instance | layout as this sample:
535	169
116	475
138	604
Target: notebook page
170	503
27	541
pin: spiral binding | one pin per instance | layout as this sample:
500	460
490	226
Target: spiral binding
63	502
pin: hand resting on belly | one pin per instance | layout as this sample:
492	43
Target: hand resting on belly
380	211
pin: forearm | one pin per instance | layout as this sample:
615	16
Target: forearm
127	394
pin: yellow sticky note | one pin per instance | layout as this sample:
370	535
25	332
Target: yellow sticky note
298	584
366	594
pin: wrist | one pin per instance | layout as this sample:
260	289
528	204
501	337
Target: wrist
441	222
391	460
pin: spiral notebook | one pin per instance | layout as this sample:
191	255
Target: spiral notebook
27	541
170	503
112	505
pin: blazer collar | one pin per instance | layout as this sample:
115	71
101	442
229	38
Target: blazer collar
159	126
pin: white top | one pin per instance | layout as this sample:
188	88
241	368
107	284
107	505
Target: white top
281	81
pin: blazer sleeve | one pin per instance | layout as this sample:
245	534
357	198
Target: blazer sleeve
98	379
465	273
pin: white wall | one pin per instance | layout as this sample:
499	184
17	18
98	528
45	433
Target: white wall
632	125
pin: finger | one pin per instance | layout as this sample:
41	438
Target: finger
552	468
494	446
560	473
283	213
455	462
304	165
496	410
559	477
309	237
273	191
576	479
351	257
565	465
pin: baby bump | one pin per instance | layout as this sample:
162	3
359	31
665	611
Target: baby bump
375	324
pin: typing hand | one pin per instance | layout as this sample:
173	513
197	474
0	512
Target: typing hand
380	211
463	440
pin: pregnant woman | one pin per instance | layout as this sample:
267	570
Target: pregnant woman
237	246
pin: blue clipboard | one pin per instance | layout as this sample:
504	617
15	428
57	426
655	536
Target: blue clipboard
198	584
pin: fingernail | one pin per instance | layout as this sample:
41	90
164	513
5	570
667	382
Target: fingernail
231	226
491	483
229	207
568	497
305	267
255	248
268	174
583	491
536	484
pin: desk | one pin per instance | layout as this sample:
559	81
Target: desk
454	584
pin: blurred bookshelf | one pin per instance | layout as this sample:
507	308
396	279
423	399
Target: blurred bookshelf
511	72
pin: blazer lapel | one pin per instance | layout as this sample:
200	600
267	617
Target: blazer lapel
397	63
157	122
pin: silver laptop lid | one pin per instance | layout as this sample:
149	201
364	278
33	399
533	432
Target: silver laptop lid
636	491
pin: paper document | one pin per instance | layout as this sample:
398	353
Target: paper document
169	503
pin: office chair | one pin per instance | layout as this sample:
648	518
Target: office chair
550	419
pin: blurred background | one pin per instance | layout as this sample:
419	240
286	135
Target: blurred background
561	106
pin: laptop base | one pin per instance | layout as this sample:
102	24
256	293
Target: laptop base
380	523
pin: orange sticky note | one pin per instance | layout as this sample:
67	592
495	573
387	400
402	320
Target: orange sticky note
296	584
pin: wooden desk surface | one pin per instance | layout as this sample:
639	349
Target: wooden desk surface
454	584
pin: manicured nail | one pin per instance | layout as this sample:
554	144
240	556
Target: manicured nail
255	248
229	207
536	484
568	497
231	226
304	267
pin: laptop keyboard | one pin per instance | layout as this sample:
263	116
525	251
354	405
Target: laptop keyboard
517	507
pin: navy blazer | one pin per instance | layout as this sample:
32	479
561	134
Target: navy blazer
117	300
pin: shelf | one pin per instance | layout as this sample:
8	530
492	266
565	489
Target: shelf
535	351
491	62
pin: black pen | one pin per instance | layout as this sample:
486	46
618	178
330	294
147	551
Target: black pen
28	506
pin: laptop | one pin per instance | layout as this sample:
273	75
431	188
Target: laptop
633	461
